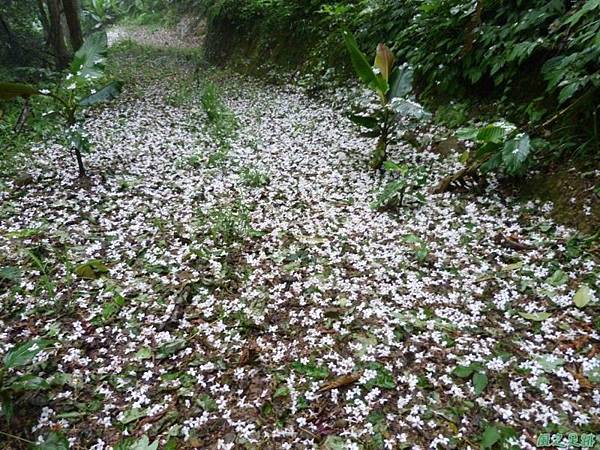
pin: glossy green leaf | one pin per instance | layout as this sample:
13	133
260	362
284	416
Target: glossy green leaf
109	92
9	91
364	121
361	65
463	371
491	435
583	296
401	82
480	382
144	444
536	317
7	406
29	383
91	270
311	370
88	61
132	415
515	153
24	354
495	133
54	441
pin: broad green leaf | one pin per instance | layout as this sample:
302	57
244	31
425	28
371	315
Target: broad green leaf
384	61
29	383
401	82
463	371
132	415
583	296
312	370
9	91
361	65
558	278
88	61
170	348
7	407
495	132
334	443
467	133
364	121
480	382
144	444
282	391
549	362
105	94
493	163
207	403
569	91
535	317
384	379
491	436
54	441
91	270
515	152
408	108
144	353
25	353
588	7
359	61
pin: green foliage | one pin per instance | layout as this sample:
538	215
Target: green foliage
501	146
228	224
406	184
254	178
76	91
393	86
222	122
311	370
13	386
533	62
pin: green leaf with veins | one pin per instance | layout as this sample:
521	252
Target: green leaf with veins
24	354
311	370
105	94
480	382
583	296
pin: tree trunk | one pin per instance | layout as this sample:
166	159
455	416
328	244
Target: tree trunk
10	39
71	8
43	16
56	36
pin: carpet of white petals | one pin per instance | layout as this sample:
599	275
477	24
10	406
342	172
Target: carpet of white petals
232	344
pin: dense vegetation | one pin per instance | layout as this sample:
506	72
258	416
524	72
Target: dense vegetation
535	63
264	224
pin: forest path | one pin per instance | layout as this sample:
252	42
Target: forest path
243	269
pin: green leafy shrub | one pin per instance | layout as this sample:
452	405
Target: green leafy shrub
14	385
393	85
74	93
500	146
222	121
406	185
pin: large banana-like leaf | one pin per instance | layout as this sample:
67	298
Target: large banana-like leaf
107	93
384	61
88	61
409	109
9	91
364	121
401	82
363	69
